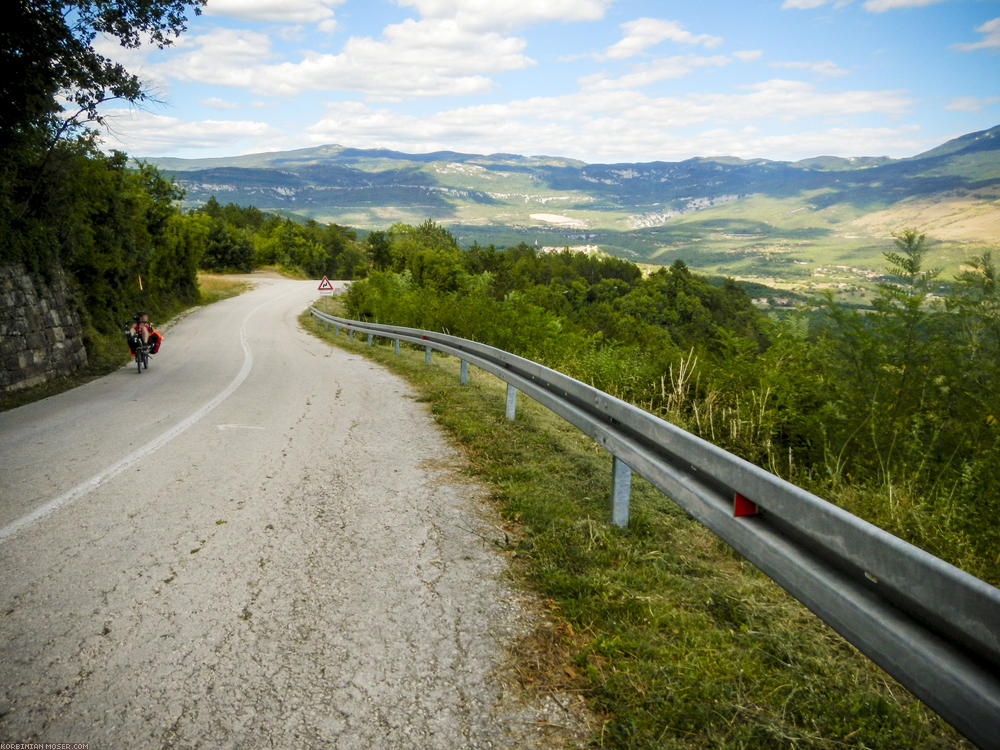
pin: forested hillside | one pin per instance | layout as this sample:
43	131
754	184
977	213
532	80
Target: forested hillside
891	413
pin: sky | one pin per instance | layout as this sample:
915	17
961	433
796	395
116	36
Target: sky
602	81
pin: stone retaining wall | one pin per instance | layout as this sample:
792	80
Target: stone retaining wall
40	333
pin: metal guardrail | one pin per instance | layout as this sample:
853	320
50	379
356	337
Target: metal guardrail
930	625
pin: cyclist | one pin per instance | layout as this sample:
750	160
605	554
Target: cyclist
144	331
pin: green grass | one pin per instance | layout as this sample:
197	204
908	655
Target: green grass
674	639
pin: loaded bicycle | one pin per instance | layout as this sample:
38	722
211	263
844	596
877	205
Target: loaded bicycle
142	340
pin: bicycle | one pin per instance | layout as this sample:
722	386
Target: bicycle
138	348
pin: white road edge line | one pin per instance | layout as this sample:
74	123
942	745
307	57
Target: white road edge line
135	456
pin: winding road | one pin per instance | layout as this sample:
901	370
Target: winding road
261	541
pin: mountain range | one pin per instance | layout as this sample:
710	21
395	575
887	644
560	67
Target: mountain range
818	222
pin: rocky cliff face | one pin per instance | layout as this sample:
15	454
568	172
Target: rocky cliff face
40	333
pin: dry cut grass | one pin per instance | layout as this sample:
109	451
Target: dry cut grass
215	286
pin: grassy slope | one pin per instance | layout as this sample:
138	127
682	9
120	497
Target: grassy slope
673	638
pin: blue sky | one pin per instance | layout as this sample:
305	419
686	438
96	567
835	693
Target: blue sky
595	80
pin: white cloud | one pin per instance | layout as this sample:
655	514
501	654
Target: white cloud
648	32
619	125
971	103
783	98
803	4
111	47
150	135
495	129
413	59
825	68
596	125
275	11
223	56
901	141
881	6
991	37
459	47
837	4
215	102
872	6
507	15
651	72
155	81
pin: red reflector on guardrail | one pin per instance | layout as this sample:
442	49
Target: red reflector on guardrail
743	507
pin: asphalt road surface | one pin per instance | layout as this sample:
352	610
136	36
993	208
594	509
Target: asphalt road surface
260	541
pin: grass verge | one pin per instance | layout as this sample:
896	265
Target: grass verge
213	287
674	639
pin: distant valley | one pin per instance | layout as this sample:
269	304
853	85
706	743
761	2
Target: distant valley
804	226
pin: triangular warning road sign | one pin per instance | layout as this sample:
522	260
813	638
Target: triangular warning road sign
325	285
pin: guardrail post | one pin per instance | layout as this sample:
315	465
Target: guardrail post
371	337
621	488
397	346
427	354
511	401
463	376
336	330
350	334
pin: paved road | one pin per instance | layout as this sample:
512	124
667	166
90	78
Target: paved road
258	542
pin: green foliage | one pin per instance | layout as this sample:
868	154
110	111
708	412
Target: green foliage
905	399
116	231
379	251
243	238
227	249
891	412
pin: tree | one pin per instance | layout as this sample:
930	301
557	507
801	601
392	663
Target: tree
975	334
211	208
47	54
227	249
379	250
977	297
904	323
